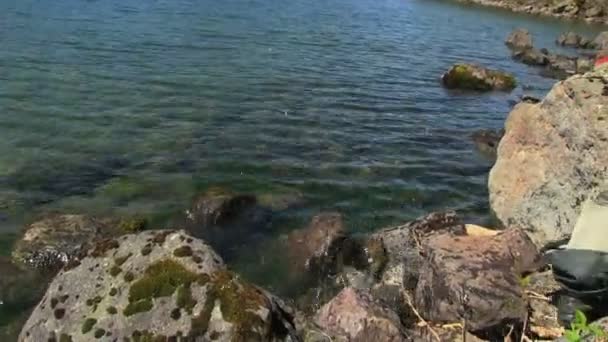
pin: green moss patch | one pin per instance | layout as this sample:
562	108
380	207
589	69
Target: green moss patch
129	277
88	324
102	247
65	338
114	271
184	298
133	225
99	333
183	251
139	306
239	303
147	249
161	279
121	260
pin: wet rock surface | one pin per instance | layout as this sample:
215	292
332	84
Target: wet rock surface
486	141
19	287
551	158
317	247
49	243
478	78
226	220
155	284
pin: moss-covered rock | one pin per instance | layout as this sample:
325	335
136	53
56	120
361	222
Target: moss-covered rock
474	77
167	295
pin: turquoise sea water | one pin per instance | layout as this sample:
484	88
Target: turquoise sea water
132	107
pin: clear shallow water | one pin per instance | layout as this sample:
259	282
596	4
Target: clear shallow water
122	107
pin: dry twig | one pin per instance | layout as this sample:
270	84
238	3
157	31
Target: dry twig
508	337
422	322
523	331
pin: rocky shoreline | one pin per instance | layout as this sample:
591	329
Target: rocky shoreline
436	278
593	11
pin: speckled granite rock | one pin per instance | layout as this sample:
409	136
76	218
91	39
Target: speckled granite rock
151	285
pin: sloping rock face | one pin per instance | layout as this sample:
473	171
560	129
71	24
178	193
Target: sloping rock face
475	77
156	285
476	278
552	158
353	315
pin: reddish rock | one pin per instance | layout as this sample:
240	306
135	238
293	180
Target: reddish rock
476	278
354	316
552	158
316	247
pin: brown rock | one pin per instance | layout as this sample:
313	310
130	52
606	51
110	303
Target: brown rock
476	278
402	246
601	41
543	320
552	158
487	141
531	57
354	316
520	39
49	243
569	39
316	247
475	77
225	219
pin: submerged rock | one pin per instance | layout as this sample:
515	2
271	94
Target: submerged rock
487	141
573	39
531	57
155	285
226	220
476	278
601	41
551	158
520	39
20	288
353	315
318	247
474	77
49	243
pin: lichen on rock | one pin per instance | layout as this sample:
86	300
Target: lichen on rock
190	296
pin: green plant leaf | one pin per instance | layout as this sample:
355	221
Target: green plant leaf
580	318
572	335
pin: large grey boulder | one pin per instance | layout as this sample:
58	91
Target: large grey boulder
552	158
156	284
